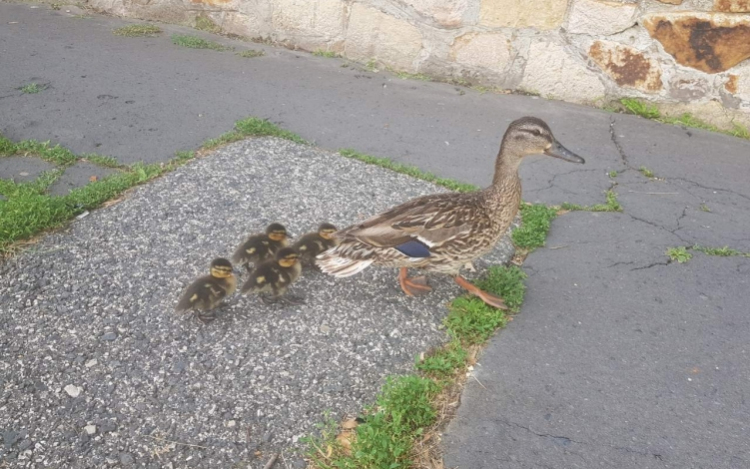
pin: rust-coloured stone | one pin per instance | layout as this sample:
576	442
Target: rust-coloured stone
732	6
627	66
731	84
707	43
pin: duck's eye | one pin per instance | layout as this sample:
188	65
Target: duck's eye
536	132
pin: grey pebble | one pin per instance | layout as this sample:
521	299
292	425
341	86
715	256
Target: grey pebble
126	459
109	336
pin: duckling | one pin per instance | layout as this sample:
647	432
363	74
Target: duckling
260	247
274	276
206	293
312	244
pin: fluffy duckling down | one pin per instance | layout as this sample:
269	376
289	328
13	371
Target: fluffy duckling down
207	293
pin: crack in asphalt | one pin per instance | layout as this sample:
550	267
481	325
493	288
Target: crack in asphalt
654	264
613	137
566	439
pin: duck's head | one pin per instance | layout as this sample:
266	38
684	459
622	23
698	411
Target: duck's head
287	257
276	232
326	230
532	136
221	268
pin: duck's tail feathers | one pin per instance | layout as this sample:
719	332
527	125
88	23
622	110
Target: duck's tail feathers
341	266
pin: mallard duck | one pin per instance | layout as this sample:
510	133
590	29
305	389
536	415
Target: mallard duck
274	276
443	232
206	293
260	247
312	244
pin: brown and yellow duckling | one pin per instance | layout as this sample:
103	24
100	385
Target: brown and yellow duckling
443	232
260	247
206	293
275	276
311	245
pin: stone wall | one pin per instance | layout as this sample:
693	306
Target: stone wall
683	54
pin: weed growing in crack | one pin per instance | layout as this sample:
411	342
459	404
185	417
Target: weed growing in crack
195	42
650	111
679	254
612	205
646	172
251	53
704	208
138	30
640	108
325	53
725	251
32	88
612	174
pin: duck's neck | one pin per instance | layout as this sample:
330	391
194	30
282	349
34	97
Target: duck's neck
504	194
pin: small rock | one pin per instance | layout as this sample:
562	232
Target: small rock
267	437
126	459
73	390
109	336
91	363
90	429
325	329
231	423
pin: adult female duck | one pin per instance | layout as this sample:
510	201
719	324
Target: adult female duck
444	232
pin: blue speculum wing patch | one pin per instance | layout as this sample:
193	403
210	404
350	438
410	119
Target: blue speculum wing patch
414	248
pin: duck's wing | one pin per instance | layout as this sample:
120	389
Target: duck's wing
202	294
418	225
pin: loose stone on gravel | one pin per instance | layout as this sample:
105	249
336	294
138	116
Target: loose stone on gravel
73	390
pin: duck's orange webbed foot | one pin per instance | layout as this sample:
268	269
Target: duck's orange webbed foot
413	286
492	300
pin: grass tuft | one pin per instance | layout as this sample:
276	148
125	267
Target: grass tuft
640	108
138	30
57	154
412	171
725	251
679	254
204	23
444	362
646	172
612	205
326	53
195	42
32	88
251	53
535	223
650	111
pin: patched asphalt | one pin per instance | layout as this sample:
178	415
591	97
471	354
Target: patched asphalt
92	307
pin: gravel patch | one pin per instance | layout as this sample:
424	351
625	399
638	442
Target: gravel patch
97	370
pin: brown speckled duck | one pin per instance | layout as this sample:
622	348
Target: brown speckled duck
444	232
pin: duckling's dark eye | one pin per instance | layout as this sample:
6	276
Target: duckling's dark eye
536	132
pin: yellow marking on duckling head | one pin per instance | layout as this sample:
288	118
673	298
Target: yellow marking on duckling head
260	279
250	251
288	262
221	272
277	235
303	248
327	233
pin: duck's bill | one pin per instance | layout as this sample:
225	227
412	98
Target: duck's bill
559	151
